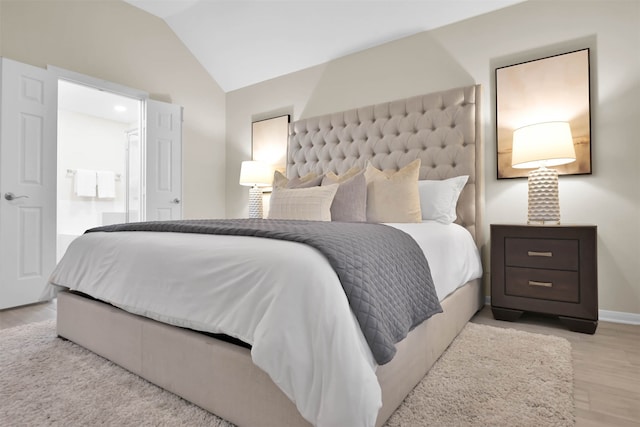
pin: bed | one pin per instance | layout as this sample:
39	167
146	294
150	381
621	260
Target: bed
441	129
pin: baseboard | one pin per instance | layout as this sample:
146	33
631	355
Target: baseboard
619	317
604	315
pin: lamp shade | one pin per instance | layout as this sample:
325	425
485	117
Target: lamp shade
542	144
256	174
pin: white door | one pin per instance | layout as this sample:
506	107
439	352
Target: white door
163	199
27	182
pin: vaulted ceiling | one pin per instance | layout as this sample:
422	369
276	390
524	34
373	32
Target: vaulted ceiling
242	42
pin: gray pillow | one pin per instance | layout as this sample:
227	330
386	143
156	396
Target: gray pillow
350	201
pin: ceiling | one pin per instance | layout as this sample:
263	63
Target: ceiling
98	103
243	42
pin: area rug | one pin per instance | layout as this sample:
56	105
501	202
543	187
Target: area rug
488	377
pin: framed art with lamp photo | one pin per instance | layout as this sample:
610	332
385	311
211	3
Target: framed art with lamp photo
269	141
554	89
269	138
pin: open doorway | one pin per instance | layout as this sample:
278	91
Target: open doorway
100	166
31	177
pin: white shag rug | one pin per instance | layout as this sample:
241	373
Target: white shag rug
488	377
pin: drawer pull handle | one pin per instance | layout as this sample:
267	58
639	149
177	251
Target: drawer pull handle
543	284
534	253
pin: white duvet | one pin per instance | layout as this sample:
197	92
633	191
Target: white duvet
281	297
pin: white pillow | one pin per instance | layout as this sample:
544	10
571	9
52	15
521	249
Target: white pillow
439	198
313	203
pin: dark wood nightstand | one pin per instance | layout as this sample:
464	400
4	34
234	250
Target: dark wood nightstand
545	269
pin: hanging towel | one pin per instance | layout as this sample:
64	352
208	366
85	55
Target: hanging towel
85	183
106	184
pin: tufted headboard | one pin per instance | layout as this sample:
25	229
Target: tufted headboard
442	129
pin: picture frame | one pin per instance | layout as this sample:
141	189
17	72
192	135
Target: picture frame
269	138
553	88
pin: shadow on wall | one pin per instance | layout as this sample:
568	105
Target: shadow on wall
403	68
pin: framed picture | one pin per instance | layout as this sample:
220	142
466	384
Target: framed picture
269	141
554	88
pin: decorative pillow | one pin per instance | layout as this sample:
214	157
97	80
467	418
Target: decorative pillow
439	198
350	202
309	180
393	196
312	203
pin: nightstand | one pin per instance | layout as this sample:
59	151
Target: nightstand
545	269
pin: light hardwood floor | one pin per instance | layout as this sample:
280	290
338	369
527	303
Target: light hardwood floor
606	364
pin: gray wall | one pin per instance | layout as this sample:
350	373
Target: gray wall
467	53
117	42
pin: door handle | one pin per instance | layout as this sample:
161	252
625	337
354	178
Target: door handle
175	201
10	196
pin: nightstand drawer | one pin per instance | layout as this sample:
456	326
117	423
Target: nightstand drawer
555	285
558	254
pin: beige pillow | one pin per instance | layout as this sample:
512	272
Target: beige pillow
309	180
393	196
345	176
313	204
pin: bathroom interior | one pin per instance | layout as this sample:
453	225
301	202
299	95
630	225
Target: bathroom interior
99	161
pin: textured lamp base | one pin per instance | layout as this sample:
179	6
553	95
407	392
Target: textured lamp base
255	202
544	205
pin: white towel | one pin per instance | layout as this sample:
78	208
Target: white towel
85	183
106	184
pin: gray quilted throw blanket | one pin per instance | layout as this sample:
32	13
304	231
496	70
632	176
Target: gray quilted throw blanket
383	271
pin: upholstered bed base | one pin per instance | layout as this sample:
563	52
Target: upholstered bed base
221	378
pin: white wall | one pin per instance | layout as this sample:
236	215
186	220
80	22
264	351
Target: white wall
467	53
87	142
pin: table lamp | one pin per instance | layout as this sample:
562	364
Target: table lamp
539	146
255	175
